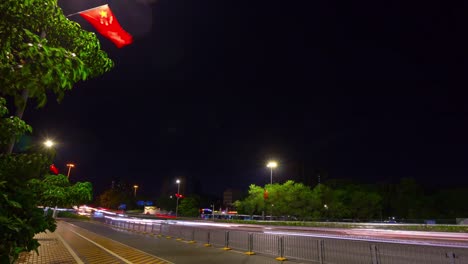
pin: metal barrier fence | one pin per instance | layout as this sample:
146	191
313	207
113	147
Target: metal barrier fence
305	248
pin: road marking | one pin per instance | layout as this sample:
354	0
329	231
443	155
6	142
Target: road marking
77	259
117	242
105	249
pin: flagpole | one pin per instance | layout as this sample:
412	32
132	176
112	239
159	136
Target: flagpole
84	10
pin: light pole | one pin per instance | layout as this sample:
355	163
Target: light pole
326	211
49	144
135	187
70	166
178	195
212	212
272	165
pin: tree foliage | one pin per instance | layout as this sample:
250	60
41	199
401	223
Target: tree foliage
189	206
20	218
56	190
112	198
41	50
299	200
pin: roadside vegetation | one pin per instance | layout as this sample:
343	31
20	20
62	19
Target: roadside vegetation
42	54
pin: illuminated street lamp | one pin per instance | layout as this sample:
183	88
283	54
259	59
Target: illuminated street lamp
272	165
178	195
70	166
135	187
49	143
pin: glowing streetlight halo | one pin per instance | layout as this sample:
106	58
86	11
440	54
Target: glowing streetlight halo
272	164
49	143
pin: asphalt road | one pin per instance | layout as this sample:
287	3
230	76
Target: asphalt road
180	252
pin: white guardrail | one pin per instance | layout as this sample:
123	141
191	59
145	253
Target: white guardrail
311	248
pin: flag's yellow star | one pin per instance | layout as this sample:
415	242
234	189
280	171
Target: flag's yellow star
103	14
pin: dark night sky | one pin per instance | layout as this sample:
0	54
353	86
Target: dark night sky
210	90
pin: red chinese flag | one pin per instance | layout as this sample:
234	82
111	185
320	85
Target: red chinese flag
53	169
104	21
265	194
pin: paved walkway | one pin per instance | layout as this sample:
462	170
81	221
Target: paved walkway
72	244
83	242
53	250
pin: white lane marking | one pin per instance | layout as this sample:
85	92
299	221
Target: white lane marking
77	259
169	262
105	249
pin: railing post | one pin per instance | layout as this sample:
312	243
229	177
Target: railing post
320	250
281	249
226	241
208	237
193	237
374	256
451	256
250	244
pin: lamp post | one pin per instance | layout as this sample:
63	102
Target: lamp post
272	165
135	187
49	144
326	211
70	166
212	212
178	195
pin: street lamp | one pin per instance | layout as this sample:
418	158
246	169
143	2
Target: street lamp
70	166
326	211
49	143
272	165
212	212
178	195
135	187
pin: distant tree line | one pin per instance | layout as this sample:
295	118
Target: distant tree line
338	200
122	194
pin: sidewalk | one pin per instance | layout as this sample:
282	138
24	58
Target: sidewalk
51	251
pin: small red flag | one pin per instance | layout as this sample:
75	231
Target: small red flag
104	21
53	169
265	194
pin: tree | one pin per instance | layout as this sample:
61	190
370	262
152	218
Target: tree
56	190
20	218
253	203
112	198
42	51
290	198
166	203
190	207
408	200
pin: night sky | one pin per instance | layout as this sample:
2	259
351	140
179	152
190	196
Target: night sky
211	90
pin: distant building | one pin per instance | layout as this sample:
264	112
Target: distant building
230	196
